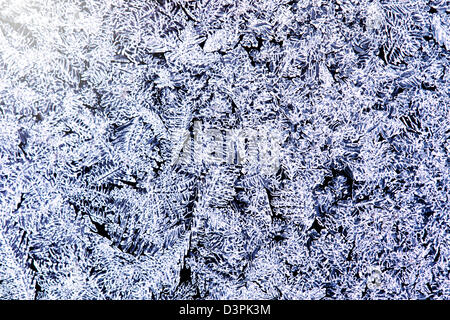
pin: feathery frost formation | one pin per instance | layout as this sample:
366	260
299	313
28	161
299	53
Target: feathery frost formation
224	149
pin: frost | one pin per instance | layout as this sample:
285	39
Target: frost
441	31
224	149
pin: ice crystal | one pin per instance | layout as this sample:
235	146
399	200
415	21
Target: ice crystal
219	149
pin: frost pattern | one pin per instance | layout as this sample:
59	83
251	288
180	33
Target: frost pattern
220	149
